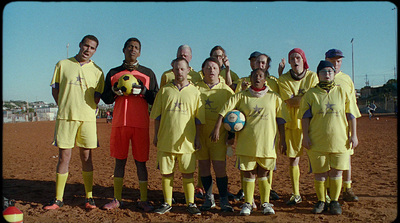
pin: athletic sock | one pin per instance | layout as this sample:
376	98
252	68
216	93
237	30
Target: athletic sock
346	185
88	183
335	186
118	184
294	172
188	188
264	187
208	185
320	189
222	184
143	190
248	189
61	180
167	186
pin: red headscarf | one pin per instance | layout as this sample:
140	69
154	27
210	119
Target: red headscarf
302	54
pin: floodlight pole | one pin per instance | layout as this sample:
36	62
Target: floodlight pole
67	49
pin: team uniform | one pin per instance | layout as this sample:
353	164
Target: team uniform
76	117
289	88
131	114
328	134
256	141
168	76
178	111
130	121
213	99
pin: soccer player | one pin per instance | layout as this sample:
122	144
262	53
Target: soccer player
186	52
344	81
230	77
214	94
255	147
76	88
324	112
178	112
130	122
292	86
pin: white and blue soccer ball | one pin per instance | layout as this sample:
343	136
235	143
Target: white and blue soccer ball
234	121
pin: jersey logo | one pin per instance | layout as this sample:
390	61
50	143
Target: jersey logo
208	102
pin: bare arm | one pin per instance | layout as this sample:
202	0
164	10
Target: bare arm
54	92
228	79
294	102
281	66
305	124
156	127
215	132
353	131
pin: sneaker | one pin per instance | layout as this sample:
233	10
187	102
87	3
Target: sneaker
267	208
54	204
334	207
246	209
89	203
349	195
163	209
192	209
319	207
273	195
199	192
225	206
145	205
209	203
240	195
294	199
113	204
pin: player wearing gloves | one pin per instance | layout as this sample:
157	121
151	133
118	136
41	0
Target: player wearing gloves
130	120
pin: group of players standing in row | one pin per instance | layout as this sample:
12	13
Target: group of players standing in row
299	111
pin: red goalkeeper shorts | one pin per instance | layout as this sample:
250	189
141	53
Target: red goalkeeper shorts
139	138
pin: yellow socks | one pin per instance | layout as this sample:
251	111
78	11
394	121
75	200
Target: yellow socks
320	189
335	186
346	185
143	190
265	187
118	183
294	172
88	182
61	180
167	186
188	188
248	189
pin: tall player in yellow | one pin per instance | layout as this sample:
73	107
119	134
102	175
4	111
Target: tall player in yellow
344	81
214	94
324	113
178	112
292	86
255	147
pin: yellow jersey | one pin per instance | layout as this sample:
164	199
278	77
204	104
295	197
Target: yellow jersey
257	138
289	88
178	111
328	124
77	87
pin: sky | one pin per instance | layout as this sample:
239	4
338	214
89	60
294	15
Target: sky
36	35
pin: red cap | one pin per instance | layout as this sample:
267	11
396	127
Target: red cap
302	54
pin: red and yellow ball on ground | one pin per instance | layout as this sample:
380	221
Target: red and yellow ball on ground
13	214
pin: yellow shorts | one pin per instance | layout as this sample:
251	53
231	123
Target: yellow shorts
211	150
69	132
249	163
322	162
294	139
166	162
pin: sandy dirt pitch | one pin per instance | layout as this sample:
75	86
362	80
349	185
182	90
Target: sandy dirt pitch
29	164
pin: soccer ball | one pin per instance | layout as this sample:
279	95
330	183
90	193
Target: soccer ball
125	83
234	121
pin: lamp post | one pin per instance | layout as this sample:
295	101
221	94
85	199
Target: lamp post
352	60
67	49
